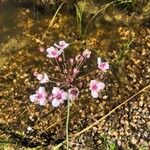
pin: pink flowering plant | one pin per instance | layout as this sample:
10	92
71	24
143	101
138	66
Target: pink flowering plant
70	71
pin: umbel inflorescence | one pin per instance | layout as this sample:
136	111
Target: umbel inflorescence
69	69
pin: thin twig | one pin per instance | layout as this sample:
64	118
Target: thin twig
59	145
96	122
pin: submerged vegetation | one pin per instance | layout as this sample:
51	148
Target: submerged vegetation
94	83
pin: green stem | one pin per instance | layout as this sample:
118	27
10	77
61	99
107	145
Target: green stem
67	124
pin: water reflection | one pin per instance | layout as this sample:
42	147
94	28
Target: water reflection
11	16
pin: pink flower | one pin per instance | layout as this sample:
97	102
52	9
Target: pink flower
58	96
73	93
96	87
86	54
102	65
52	52
39	97
43	78
62	45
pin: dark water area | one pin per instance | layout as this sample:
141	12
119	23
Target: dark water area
11	15
8	21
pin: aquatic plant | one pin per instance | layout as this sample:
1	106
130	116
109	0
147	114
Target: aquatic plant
80	8
70	70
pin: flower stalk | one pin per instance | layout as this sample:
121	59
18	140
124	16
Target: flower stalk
67	124
65	88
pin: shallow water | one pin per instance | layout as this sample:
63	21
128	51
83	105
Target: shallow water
8	21
13	15
22	31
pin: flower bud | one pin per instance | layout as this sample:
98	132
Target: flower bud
59	59
75	71
86	54
35	73
79	58
65	71
71	61
41	49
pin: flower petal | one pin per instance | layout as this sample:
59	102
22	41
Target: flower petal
63	44
41	90
42	102
55	103
64	95
60	51
55	90
45	79
56	45
99	60
92	83
50	49
100	86
33	98
94	94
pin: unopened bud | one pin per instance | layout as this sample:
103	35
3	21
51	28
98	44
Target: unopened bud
35	73
75	70
86	54
79	57
71	60
65	71
41	49
59	59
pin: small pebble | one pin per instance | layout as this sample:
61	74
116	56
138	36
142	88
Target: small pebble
141	103
133	140
148	124
29	128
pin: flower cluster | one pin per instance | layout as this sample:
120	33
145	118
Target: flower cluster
69	69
